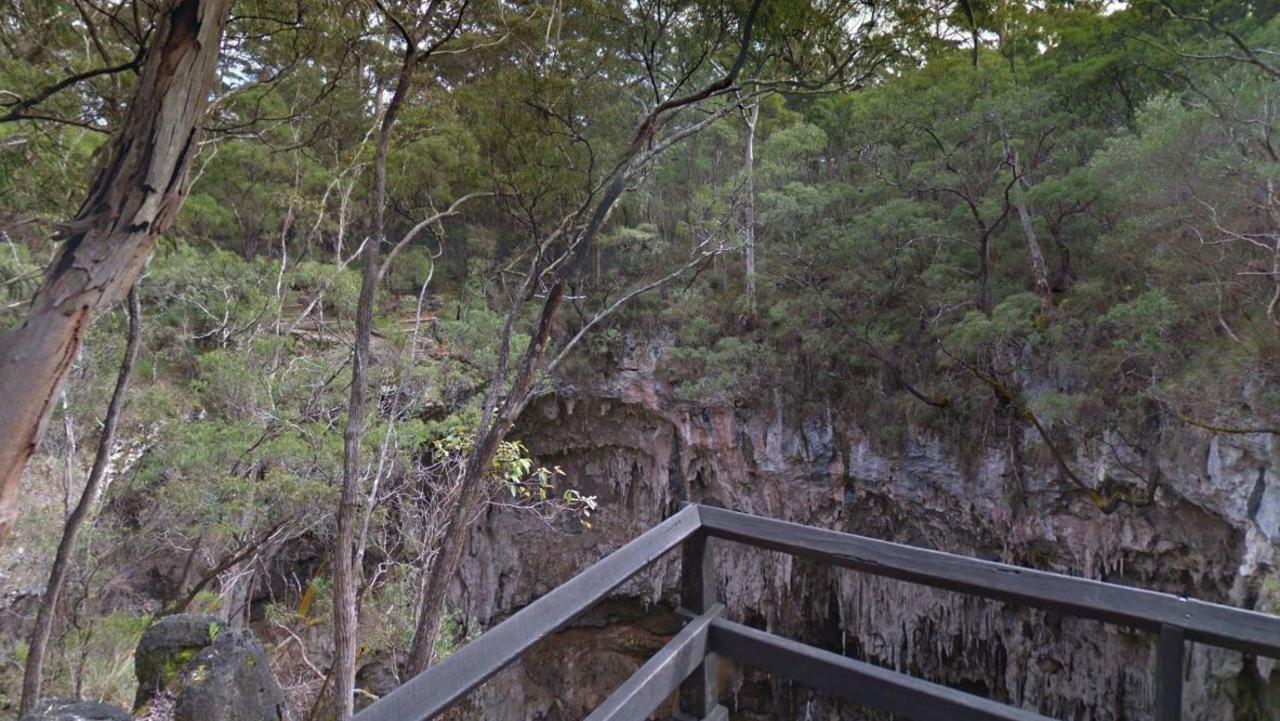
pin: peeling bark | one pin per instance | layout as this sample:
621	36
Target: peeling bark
132	200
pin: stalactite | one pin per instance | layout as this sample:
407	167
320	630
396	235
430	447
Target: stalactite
923	493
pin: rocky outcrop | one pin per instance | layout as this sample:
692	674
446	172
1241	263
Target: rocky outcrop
1212	533
58	709
164	651
230	680
375	679
191	668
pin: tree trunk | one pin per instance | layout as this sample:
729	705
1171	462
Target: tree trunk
1039	268
497	419
39	639
489	435
435	586
749	208
1273	308
132	199
1064	276
984	270
345	581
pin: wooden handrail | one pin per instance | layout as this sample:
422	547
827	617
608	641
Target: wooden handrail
440	686
688	658
1209	623
661	675
857	681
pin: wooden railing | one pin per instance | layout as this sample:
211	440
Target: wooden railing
687	662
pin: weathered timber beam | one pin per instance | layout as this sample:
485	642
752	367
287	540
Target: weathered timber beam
856	681
1210	623
661	675
437	688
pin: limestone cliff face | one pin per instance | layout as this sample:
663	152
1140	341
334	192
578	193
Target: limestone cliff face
1213	533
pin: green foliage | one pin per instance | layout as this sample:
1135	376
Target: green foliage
1143	325
1269	602
1140	181
19	276
893	282
454	634
105	646
337	288
222	476
718	374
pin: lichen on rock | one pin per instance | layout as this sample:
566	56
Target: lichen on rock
192	668
230	680
167	646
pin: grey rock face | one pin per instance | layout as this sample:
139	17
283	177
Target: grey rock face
1212	533
166	647
230	680
59	709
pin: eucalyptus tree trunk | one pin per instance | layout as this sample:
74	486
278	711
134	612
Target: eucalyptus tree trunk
1039	268
492	430
1063	276
132	200
749	207
345	581
985	302
38	642
436	579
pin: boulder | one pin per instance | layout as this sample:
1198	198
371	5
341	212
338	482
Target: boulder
62	709
166	648
375	679
230	680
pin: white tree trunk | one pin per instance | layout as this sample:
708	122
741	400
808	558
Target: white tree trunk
749	207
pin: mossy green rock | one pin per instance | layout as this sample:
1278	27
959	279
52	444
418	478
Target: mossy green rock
230	680
210	672
167	646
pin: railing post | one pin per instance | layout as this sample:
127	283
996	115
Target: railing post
1169	652
700	694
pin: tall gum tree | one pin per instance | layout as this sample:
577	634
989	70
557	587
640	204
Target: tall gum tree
419	42
133	198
